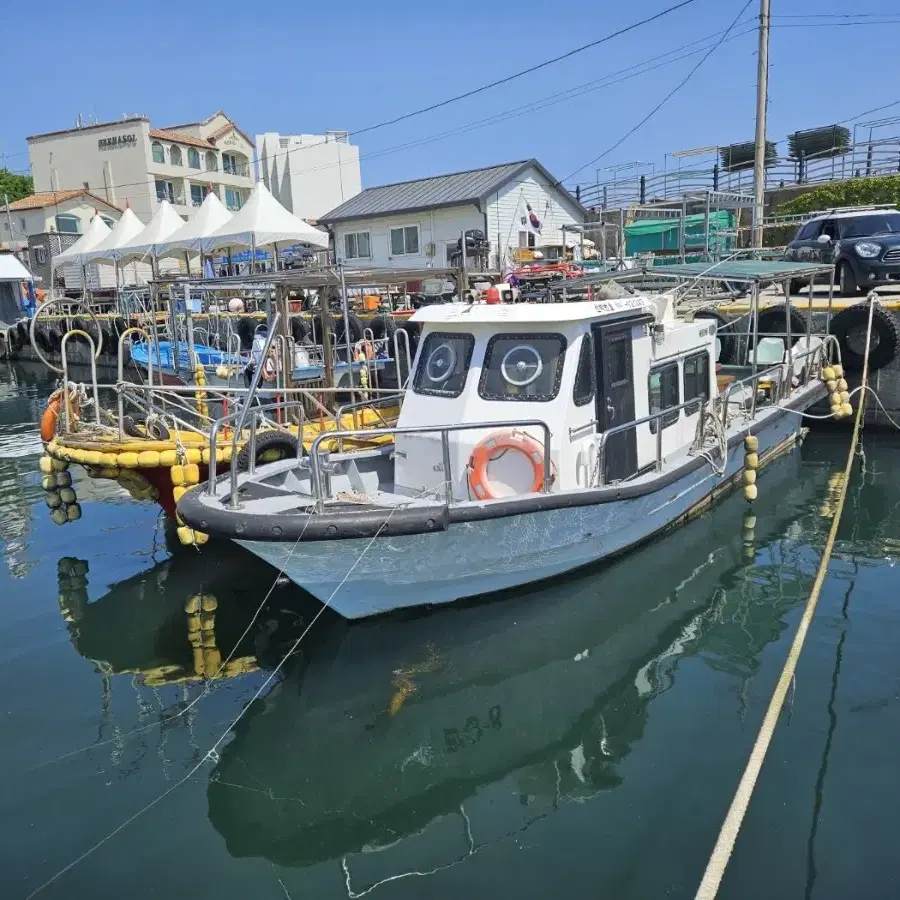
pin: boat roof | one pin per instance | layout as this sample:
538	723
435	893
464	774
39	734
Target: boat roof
538	313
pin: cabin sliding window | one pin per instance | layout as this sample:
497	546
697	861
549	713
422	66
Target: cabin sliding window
357	245
696	381
584	375
405	241
663	385
443	364
522	367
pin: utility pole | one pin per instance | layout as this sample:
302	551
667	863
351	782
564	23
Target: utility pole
8	220
762	94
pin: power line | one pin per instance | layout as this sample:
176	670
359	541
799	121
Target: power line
665	99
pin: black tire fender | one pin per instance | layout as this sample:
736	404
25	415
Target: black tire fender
772	321
384	326
724	332
849	327
267	443
299	329
355	326
156	430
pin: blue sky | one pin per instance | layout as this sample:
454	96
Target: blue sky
309	67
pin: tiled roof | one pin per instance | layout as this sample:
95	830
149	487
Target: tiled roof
88	127
179	137
50	198
472	186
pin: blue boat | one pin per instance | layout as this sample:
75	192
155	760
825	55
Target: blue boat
211	358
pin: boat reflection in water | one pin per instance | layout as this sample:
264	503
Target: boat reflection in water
382	734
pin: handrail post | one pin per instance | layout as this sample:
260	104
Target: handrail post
659	436
445	456
547	473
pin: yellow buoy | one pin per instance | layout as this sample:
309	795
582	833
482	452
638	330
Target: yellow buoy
59	517
168	457
208	639
208	602
110	460
148	459
193	623
831	384
751	443
749	476
193	455
212	660
185	534
178	493
828	374
842	384
73	512
62	479
59	465
207	621
845	396
48	482
846	409
192	473
128	460
750	492
67	495
198	660
53	499
200	537
751	461
192	604
838	370
46	465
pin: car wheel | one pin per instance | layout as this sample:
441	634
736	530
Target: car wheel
795	285
847	281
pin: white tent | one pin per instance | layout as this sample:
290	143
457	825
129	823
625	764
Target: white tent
107	251
162	226
262	222
211	216
97	231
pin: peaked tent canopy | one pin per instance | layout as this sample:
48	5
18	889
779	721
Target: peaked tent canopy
211	216
97	231
162	226
261	222
107	251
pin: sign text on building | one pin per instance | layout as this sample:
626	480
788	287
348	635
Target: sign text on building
119	140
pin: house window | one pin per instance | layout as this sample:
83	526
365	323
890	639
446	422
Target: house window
165	190
663	387
22	224
198	194
233	199
212	164
283	143
444	364
193	159
229	164
584	375
357	245
159	155
526	367
68	224
526	239
696	380
405	241
175	155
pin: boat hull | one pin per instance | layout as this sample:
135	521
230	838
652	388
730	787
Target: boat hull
368	576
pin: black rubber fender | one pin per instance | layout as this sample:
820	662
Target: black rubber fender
110	343
245	328
354	324
724	332
270	446
384	326
157	431
22	331
849	327
13	339
299	329
54	337
41	338
772	321
317	326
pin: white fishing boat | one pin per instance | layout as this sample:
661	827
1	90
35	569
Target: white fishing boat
533	439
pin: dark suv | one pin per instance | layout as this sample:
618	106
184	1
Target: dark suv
864	247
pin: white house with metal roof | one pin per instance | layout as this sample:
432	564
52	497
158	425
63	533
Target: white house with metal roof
418	223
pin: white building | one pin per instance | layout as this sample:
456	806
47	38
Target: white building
131	162
418	223
308	174
49	223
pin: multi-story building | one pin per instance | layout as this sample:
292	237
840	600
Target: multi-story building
309	174
131	162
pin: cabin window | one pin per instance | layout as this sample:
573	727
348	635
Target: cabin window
663	386
356	245
696	381
444	364
584	376
522	367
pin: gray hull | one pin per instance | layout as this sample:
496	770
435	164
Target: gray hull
365	577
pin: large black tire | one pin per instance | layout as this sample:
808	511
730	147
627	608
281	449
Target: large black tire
156	431
299	329
245	328
849	327
54	337
383	326
13	338
795	285
270	446
41	338
724	332
772	321
846	279
356	328
317	327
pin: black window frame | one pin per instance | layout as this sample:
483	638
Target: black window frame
700	397
815	229
524	337
585	359
669	419
469	340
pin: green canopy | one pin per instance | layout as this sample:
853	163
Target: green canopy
650	235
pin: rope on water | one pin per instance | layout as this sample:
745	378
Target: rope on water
718	861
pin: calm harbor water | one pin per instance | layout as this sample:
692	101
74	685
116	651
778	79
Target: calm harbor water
578	739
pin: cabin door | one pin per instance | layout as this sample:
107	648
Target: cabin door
615	398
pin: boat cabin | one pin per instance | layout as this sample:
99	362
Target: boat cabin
582	368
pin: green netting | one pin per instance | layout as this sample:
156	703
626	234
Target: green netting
657	235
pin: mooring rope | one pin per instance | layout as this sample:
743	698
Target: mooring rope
718	861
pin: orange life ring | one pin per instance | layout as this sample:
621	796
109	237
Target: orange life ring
270	370
501	442
50	418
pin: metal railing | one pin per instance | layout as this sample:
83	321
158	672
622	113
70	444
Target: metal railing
315	466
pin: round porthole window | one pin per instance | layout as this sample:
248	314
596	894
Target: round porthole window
521	365
441	363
